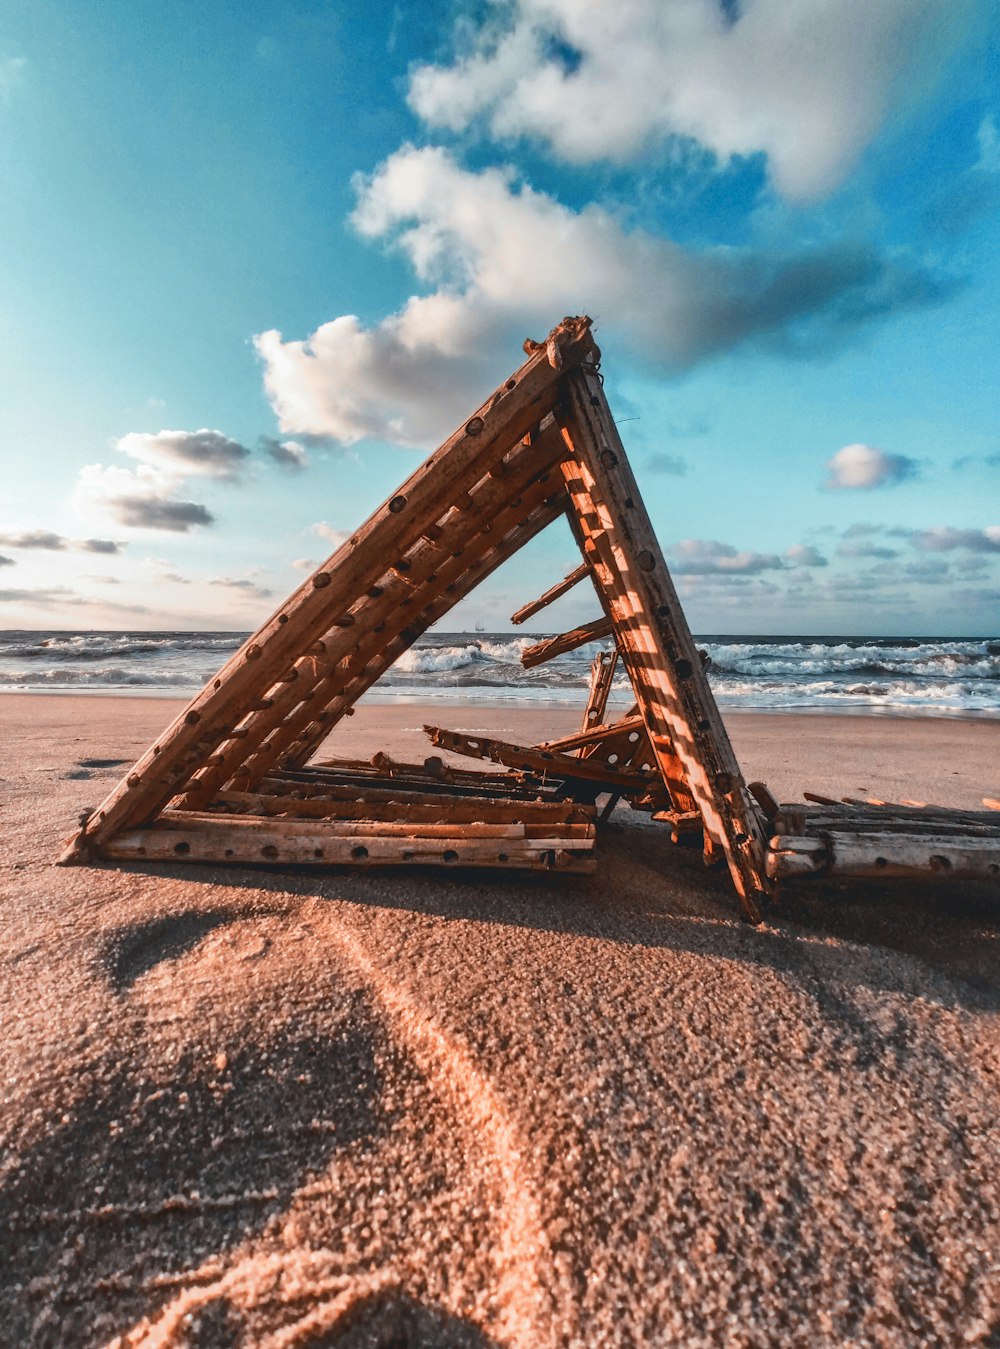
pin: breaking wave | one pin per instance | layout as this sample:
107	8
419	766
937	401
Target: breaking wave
865	674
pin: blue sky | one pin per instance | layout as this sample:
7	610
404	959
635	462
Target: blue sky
256	258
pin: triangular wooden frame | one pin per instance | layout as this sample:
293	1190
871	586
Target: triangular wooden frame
545	444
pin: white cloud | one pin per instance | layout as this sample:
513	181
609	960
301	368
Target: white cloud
862	466
706	557
508	261
143	499
805	555
304	564
204	453
807	84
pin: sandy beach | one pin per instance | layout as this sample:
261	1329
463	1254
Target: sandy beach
290	1108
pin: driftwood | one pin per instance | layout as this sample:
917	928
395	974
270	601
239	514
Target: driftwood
854	839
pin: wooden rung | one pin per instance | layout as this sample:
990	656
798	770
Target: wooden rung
567	641
566	584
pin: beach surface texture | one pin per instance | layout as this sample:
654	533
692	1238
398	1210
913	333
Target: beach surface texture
284	1108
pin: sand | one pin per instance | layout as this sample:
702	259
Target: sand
286	1108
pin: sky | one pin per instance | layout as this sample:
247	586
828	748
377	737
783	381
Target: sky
257	259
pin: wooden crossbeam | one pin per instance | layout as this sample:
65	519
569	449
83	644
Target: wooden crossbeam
565	642
556	592
884	841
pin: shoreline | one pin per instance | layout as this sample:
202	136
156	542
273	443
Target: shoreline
529	705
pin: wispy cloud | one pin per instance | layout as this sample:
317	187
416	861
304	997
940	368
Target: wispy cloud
670	465
6	561
12	73
48	541
249	589
323	530
862	467
866	548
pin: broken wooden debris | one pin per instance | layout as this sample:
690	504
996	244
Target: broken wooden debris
235	778
580	778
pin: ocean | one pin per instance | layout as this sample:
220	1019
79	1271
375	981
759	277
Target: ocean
896	675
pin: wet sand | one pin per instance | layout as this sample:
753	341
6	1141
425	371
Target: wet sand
250	1107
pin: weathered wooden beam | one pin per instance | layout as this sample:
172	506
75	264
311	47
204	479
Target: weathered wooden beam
556	592
566	641
295	746
918	856
685	729
272	843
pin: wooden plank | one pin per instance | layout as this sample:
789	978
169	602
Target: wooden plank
547	814
652	634
531	759
184	820
566	641
554	593
312	609
270	845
